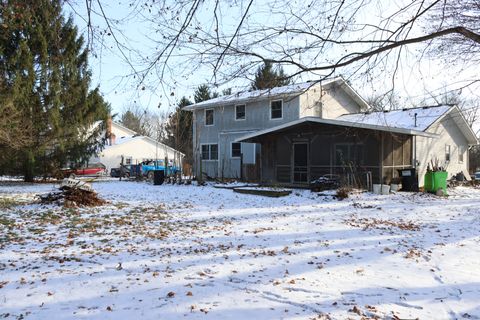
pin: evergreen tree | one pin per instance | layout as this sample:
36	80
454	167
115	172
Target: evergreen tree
133	122
203	93
178	130
267	77
44	73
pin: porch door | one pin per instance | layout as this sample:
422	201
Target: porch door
300	162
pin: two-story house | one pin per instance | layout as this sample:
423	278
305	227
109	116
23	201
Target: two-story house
297	133
219	122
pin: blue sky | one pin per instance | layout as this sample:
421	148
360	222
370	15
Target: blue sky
110	69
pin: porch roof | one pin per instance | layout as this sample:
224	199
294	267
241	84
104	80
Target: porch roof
335	122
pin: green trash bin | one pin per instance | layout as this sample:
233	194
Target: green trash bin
435	180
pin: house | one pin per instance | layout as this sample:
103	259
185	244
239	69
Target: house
126	144
380	143
219	122
297	133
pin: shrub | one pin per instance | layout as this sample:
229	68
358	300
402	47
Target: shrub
342	193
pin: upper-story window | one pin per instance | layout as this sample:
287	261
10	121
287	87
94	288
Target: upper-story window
240	112
276	109
209	117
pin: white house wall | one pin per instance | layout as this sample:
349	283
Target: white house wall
310	102
335	102
137	149
435	148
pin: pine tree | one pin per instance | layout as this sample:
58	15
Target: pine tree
267	77
203	93
44	73
133	122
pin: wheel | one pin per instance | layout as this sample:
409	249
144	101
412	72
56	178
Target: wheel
150	175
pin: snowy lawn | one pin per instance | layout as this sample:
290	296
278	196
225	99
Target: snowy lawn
188	252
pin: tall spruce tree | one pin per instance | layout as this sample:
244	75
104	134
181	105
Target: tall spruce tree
267	77
203	93
44	73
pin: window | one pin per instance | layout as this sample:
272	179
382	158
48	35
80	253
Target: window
240	112
276	111
128	160
236	149
461	152
209	117
209	151
447	153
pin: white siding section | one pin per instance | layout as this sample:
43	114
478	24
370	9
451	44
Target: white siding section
137	149
311	102
434	148
336	102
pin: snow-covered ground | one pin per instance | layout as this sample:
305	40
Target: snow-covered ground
189	252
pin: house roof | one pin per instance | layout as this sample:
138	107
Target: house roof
133	133
289	90
125	140
398	121
404	118
336	122
418	119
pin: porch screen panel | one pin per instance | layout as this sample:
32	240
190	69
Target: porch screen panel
387	150
283	151
407	151
397	142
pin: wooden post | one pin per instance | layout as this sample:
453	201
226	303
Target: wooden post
241	166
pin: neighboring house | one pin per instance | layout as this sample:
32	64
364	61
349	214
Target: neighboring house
126	144
297	133
219	122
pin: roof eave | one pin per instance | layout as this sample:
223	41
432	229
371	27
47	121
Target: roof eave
240	101
338	123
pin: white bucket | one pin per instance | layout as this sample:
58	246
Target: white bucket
377	188
394	187
385	189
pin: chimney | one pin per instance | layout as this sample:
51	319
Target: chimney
112	138
108	132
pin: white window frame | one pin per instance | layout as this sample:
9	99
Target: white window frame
244	112
213	117
461	153
209	151
270	110
231	150
448	151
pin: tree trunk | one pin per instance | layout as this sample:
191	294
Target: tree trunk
29	166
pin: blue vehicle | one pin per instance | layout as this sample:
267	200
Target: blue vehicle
476	176
146	168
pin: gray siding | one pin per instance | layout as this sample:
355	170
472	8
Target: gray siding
226	129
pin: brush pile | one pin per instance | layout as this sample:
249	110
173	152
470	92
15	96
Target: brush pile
73	193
